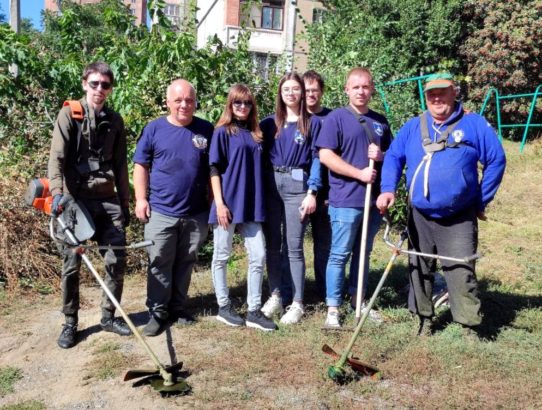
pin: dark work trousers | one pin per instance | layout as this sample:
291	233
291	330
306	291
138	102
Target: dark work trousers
171	260
455	236
108	220
321	235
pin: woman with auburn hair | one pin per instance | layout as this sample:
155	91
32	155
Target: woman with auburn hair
237	182
292	181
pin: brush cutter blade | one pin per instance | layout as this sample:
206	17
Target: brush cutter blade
178	386
138	373
336	373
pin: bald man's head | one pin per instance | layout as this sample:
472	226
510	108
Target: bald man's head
181	101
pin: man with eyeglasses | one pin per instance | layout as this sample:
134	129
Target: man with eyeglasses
320	225
88	162
171	180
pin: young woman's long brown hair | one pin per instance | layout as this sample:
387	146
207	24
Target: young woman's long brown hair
240	92
280	107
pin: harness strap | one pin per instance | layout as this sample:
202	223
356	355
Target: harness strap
369	132
430	148
442	141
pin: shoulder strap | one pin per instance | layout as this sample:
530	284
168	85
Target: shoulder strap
369	132
442	142
76	109
77	114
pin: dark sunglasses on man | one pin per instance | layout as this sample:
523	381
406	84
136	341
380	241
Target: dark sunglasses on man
104	84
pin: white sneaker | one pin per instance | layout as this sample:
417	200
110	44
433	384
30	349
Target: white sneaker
332	320
272	306
293	314
373	314
441	298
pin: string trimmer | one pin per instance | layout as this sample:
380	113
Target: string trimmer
38	196
337	372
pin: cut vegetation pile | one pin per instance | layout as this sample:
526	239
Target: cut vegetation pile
242	368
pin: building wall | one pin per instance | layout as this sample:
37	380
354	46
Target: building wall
224	20
226	16
301	48
139	7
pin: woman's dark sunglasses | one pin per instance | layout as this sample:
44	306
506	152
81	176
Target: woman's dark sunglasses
104	84
239	103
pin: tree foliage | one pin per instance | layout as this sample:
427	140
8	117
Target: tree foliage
144	63
394	38
503	51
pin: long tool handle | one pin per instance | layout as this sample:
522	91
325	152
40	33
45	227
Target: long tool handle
137	245
168	378
363	246
344	357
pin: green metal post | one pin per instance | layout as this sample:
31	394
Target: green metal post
533	105
497	107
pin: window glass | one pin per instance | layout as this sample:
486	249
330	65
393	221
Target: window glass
267	17
277	19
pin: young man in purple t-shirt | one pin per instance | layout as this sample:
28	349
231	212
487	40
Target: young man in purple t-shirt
345	149
171	179
320	225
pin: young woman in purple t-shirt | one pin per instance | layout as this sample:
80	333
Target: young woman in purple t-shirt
290	191
237	182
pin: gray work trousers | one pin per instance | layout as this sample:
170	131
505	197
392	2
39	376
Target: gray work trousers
171	259
283	199
455	236
108	220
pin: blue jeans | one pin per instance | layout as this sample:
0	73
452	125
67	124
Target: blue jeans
283	199
346	225
255	244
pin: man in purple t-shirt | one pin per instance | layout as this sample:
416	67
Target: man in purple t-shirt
171	179
349	138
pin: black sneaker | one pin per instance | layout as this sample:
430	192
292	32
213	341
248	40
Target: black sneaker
182	318
228	315
68	336
256	319
116	325
154	327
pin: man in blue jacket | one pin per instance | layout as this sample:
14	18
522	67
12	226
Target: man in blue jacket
441	150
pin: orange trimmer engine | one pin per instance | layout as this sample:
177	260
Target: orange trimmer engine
38	196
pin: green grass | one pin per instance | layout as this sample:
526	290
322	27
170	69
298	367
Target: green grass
108	362
25	405
8	377
501	367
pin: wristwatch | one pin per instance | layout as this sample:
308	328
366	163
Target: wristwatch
312	192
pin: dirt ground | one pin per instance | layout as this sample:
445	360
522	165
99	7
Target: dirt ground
226	367
63	379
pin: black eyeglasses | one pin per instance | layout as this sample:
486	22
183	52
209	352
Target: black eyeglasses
239	103
104	84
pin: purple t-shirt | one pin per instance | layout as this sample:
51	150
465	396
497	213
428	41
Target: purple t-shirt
290	148
342	133
178	158
239	159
